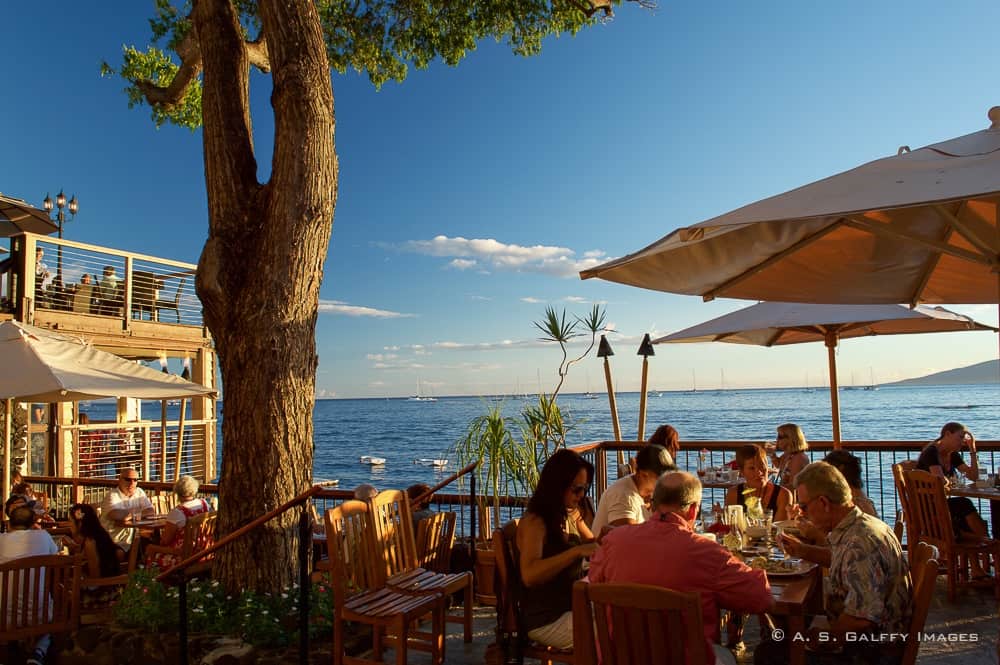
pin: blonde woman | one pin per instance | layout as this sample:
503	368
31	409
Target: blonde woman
792	445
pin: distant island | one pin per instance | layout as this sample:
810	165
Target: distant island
987	372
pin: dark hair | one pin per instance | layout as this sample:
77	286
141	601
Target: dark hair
547	502
748	452
419	489
22	517
91	528
849	465
950	428
12	501
666	436
654	458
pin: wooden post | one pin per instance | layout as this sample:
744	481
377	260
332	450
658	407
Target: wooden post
642	400
614	408
180	441
163	441
8	450
831	353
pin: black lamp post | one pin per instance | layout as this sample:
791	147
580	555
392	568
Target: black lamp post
60	219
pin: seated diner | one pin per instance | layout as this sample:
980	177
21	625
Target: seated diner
167	553
553	540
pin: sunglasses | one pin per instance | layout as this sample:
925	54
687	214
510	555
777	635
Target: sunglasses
131	480
804	505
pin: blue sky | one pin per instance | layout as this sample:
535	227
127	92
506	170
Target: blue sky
470	196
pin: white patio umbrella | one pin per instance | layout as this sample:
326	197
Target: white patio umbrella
779	323
43	366
920	226
17	216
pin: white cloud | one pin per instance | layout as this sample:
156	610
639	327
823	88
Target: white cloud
575	299
533	301
475	297
342	308
545	259
381	356
325	394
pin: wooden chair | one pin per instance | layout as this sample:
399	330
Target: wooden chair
173	305
39	595
360	596
435	538
903	519
511	636
199	534
163	503
395	548
932	522
924	573
83	296
637	623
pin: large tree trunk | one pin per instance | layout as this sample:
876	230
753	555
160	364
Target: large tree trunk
260	272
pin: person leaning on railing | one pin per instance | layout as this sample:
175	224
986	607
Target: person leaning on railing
553	540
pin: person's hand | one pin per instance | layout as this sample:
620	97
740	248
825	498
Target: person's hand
970	442
810	531
790	544
586	550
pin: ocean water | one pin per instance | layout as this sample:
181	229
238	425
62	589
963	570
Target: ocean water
402	431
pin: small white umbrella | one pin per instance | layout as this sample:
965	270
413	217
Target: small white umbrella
43	366
780	323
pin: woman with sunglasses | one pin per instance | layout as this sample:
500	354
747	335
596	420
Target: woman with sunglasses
88	536
793	446
553	540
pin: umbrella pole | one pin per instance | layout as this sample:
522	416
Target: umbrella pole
614	408
180	441
5	482
163	440
831	353
642	400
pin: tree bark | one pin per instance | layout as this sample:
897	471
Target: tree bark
260	272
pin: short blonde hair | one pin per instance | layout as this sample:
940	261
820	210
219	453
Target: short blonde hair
824	479
186	486
796	439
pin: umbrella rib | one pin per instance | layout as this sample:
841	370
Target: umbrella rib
963	229
753	270
932	263
863	224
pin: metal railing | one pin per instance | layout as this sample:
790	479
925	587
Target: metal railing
96	281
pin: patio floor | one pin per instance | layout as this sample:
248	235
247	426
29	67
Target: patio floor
973	616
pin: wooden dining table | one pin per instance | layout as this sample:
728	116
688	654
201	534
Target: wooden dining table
795	597
991	494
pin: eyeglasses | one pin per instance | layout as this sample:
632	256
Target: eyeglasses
804	505
579	489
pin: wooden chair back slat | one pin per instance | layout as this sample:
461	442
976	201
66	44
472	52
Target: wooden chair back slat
929	509
636	623
924	573
199	534
351	564
392	525
39	595
899	471
435	538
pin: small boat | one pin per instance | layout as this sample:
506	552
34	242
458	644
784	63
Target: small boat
323	482
372	460
436	463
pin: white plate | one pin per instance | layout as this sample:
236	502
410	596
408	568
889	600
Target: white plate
802	568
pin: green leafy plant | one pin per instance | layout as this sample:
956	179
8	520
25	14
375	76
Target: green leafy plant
270	620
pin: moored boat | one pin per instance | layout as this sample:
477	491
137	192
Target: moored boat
371	460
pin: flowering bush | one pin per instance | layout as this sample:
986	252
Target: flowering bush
259	619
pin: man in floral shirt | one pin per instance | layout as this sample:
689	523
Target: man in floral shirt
868	594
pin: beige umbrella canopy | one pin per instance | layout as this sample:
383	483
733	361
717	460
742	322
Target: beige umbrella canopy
43	366
17	216
779	323
920	226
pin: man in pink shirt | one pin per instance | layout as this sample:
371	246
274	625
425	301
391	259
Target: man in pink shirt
665	551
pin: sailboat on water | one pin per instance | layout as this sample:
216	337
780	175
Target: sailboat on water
588	394
420	397
871	385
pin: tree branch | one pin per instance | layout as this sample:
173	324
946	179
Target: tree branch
257	53
189	52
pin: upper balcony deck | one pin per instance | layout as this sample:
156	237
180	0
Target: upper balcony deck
130	304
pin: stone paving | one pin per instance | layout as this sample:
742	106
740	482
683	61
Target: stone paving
972	623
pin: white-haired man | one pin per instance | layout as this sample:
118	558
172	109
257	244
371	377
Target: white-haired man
665	551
